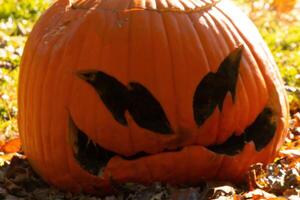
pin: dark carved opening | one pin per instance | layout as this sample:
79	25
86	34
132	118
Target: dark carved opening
140	103
212	90
94	158
261	132
91	157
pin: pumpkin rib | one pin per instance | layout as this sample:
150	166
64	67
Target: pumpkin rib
224	124
180	60
177	57
262	91
199	33
253	52
185	78
244	107
59	74
251	86
158	80
127	78
203	68
55	90
108	27
230	40
198	56
144	75
37	68
130	30
205	42
135	71
103	30
78	172
228	36
175	96
27	71
42	99
82	62
214	67
170	83
244	80
37	134
51	143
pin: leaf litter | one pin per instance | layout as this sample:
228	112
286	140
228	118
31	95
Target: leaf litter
276	181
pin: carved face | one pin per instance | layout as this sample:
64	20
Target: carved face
113	93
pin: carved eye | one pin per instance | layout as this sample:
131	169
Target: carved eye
136	99
212	90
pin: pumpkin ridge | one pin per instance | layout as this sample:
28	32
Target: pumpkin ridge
26	71
247	76
175	96
58	69
129	65
39	76
230	38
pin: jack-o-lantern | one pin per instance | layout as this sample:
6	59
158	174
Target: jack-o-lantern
176	91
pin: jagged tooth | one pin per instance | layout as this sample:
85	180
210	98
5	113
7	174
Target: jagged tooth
73	136
95	143
75	147
88	142
101	172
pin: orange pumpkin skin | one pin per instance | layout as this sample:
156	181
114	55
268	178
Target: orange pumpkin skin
166	46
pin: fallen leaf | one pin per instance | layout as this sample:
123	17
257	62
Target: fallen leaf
11	146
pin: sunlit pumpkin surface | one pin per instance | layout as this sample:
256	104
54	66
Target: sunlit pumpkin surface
176	91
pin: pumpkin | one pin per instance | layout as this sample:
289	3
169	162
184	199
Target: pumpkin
176	91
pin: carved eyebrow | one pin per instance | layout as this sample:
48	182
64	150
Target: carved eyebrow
140	103
212	89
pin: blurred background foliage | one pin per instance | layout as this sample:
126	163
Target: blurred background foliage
277	20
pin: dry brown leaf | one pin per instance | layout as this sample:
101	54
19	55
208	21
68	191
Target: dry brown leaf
11	146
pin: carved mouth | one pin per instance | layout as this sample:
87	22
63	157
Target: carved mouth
94	158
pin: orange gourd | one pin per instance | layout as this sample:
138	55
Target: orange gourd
176	91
